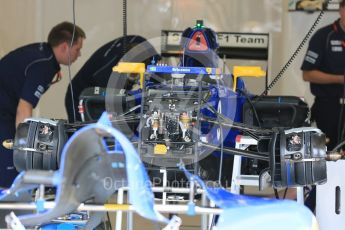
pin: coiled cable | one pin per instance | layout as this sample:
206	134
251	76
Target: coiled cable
294	55
124	21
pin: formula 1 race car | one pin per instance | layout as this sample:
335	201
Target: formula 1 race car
192	114
180	115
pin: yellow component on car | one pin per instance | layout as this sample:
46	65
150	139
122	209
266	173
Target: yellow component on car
209	70
7	144
247	71
160	149
131	67
315	225
122	207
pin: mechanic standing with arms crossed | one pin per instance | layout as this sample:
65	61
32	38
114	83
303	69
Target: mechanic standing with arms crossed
324	68
25	74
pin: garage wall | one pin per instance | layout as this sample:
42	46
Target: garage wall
29	21
17	24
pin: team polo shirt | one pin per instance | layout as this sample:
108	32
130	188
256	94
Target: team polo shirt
326	52
26	73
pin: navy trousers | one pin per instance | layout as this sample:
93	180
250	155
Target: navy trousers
7	169
326	113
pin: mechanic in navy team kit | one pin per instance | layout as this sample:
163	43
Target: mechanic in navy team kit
97	69
324	68
25	74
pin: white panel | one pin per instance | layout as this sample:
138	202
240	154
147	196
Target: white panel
327	215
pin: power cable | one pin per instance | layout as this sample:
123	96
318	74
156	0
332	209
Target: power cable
124	21
251	105
338	146
221	143
294	55
69	61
